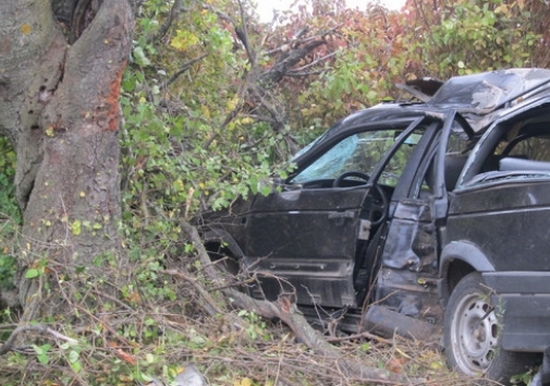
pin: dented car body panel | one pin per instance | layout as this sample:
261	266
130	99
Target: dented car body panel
395	204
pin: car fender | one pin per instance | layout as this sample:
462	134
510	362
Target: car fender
222	236
466	252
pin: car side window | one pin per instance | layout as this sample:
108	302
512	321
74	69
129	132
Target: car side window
456	154
532	148
330	164
359	152
396	165
513	150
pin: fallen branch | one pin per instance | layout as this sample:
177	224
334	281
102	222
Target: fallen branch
211	306
8	344
362	335
286	311
302	70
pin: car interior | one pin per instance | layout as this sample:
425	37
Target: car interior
516	149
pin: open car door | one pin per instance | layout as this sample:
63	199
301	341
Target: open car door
408	275
305	239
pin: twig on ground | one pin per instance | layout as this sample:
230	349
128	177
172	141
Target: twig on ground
8	344
211	306
359	336
286	311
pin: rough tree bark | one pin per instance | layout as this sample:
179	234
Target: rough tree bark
61	63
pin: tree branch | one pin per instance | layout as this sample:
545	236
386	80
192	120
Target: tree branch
295	74
186	66
222	15
177	7
314	63
210	307
8	344
242	33
286	62
285	310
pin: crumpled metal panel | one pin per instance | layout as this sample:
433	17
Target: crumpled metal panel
413	246
478	97
409	293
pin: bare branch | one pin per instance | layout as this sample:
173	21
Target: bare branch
220	14
8	344
177	7
186	66
314	63
285	310
362	335
242	34
211	307
296	74
286	62
271	110
298	40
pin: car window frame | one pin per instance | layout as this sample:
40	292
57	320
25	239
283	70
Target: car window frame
321	147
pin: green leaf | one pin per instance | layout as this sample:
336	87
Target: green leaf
73	356
32	273
75	227
140	57
129	84
42	353
76	366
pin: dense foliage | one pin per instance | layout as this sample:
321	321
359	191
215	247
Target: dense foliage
214	105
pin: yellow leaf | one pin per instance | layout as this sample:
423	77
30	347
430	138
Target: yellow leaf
75	227
26	29
503	8
178	185
205	111
232	103
183	40
243	382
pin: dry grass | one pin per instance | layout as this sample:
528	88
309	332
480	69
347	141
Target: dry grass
163	322
145	337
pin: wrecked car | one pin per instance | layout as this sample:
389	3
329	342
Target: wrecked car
426	219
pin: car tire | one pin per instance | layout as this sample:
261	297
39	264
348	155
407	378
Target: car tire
472	334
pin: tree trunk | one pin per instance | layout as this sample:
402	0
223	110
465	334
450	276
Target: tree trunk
59	89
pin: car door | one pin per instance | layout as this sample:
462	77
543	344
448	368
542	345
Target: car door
305	238
407	279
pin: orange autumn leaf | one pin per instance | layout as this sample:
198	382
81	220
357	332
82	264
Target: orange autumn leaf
125	356
395	365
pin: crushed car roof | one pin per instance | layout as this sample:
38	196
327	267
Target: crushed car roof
480	97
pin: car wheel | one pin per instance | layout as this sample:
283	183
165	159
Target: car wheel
472	334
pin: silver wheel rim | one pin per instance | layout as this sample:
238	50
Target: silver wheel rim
474	334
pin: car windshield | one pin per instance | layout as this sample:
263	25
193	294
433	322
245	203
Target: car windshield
359	152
